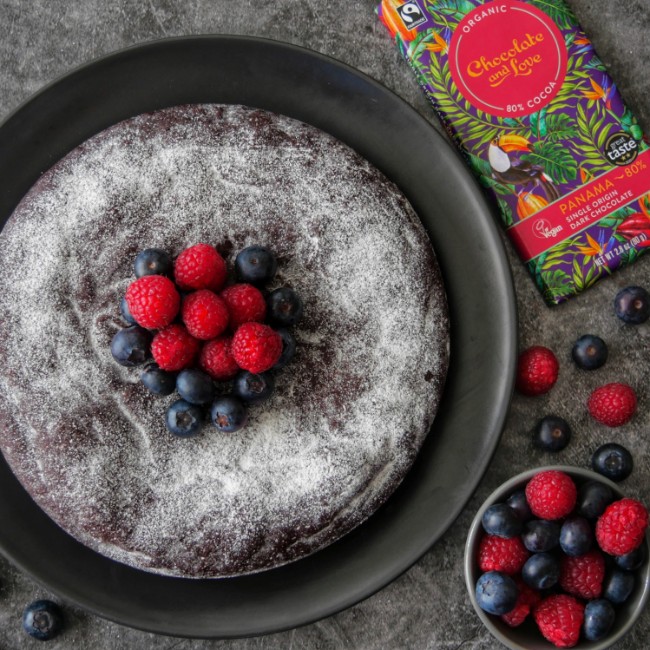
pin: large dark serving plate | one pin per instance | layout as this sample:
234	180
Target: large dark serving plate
389	133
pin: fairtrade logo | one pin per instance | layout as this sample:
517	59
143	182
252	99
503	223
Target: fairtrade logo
411	15
544	230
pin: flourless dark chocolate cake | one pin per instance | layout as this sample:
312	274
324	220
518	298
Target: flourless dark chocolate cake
348	414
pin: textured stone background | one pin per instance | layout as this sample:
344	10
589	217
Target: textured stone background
427	608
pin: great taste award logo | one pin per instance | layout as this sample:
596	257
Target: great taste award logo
508	58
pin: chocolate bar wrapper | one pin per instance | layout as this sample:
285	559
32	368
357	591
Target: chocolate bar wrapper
521	91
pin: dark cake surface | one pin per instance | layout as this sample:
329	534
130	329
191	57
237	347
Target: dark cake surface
349	413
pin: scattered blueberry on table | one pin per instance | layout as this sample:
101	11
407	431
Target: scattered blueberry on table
613	461
552	433
632	305
590	352
43	620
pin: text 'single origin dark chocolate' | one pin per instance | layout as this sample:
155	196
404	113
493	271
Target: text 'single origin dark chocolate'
523	94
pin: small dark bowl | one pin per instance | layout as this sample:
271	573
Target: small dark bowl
527	636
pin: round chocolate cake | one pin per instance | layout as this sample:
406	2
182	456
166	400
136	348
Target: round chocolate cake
349	413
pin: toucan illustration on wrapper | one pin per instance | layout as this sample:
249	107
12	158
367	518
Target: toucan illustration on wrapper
508	168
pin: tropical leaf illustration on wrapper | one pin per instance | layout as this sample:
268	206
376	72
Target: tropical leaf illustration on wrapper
449	10
558	10
555	159
568	268
539	124
428	41
559	128
470	124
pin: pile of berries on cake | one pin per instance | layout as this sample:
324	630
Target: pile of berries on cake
217	344
566	555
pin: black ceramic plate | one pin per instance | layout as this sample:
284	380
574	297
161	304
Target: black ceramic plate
389	133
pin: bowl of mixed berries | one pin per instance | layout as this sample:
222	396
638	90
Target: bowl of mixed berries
558	557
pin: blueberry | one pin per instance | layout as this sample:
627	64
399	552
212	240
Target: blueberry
576	536
159	382
284	307
501	520
589	352
496	593
126	312
256	265
552	433
153	261
43	619
613	461
541	571
593	499
253	388
541	535
228	414
633	560
184	419
195	386
288	348
599	618
130	346
618	586
518	502
632	305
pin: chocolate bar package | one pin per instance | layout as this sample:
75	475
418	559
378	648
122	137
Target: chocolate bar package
521	91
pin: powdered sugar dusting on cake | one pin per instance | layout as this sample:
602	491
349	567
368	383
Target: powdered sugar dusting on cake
349	413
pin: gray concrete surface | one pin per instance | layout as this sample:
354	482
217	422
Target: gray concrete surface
427	608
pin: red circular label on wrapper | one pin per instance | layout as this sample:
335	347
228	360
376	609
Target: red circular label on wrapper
508	58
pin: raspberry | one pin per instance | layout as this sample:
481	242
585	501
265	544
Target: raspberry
621	528
528	599
537	371
612	404
501	554
583	576
217	360
256	347
200	267
245	303
205	314
174	348
551	494
153	301
559	618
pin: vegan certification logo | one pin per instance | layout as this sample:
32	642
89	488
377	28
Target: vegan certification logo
544	230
